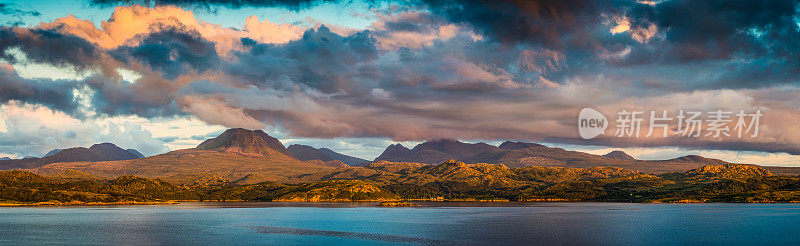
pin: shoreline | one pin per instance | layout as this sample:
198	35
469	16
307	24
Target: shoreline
80	204
458	201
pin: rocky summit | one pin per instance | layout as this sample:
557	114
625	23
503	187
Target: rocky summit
245	141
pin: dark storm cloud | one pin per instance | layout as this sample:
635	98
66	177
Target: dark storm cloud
171	51
320	59
46	46
554	23
149	97
722	29
54	94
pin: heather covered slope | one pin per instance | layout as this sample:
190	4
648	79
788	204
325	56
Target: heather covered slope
450	180
25	188
457	180
97	152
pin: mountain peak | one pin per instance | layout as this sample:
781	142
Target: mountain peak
110	151
245	141
619	155
52	152
394	152
518	145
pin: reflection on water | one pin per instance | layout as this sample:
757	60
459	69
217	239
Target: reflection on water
434	223
345	234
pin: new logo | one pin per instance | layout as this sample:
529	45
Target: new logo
591	123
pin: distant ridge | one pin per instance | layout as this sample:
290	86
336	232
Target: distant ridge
97	152
519	145
346	159
434	151
306	153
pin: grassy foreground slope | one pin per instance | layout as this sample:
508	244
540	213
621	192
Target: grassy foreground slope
20	188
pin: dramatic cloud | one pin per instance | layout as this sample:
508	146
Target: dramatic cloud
55	94
425	69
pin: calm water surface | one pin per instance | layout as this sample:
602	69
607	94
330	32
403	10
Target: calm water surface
431	224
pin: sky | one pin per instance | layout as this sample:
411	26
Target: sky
356	76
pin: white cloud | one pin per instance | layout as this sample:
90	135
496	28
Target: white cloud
34	130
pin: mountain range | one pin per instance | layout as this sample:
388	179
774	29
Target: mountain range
436	151
522	154
245	157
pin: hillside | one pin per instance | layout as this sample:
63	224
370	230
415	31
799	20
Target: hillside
457	180
450	180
